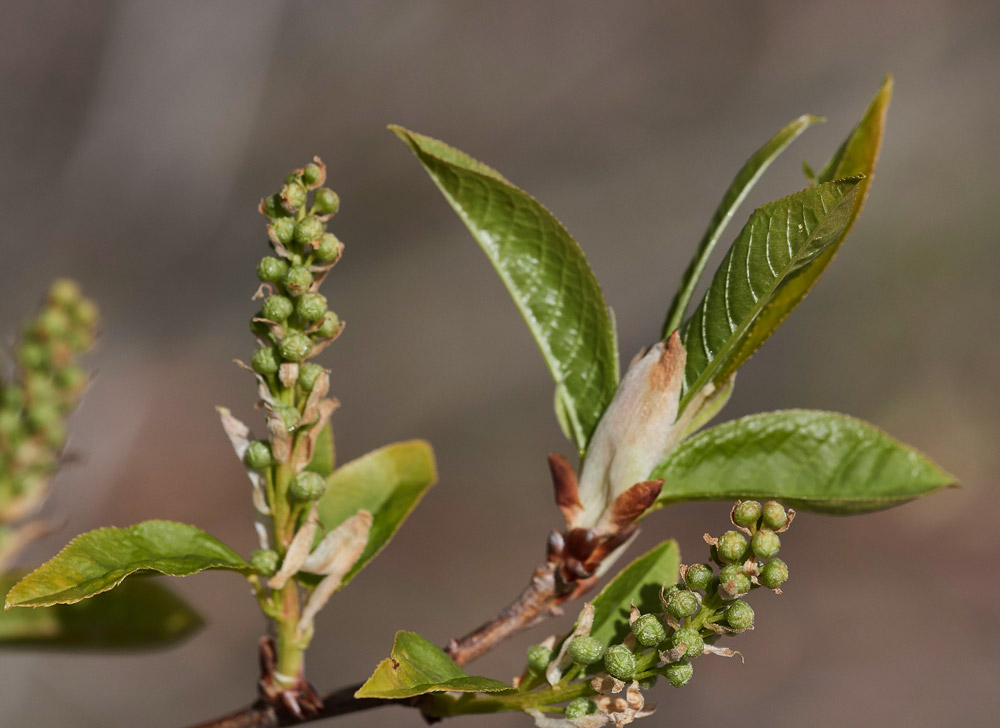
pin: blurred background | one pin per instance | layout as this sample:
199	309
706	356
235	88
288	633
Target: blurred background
136	139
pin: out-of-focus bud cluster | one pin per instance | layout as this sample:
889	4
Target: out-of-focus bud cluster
42	390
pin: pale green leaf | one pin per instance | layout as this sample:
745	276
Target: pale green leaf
545	273
739	188
780	238
323	458
99	560
388	482
140	614
416	666
817	461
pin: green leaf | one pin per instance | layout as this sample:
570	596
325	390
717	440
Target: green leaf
739	188
780	238
639	582
546	274
323	458
817	461
388	482
416	667
856	156
99	560
140	614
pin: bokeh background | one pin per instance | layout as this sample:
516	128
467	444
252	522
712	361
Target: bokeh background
136	139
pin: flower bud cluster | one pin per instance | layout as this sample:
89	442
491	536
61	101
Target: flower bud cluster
46	387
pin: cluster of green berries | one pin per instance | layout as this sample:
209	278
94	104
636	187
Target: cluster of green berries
47	386
695	613
295	317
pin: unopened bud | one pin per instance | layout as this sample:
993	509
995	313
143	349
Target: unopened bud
284	229
747	514
585	650
294	195
682	604
308	374
313	174
740	616
328	249
311	306
579	707
329	327
773	574
326	201
271	269
732	546
297	280
539	657
265	361
774	515
277	308
295	347
64	292
733	581
649	630
258	455
308	486
692	638
680	673
766	543
308	229
619	662
698	576
265	561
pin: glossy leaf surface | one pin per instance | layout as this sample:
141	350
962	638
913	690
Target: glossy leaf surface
416	666
545	273
140	614
817	461
99	560
388	482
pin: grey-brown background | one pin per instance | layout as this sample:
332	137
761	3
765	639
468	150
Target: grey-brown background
137	137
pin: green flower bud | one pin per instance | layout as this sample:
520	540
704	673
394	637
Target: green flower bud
11	398
292	177
692	638
271	269
308	486
265	361
40	388
308	374
85	313
297	280
698	576
295	347
579	707
11	426
277	308
53	322
289	415
33	356
774	515
284	229
326	201
64	292
649	630
311	306
619	662
679	673
72	377
539	657
294	194
732	546
329	327
308	229
313	174
740	615
733	573
328	249
265	561
773	574
585	650
648	683
258	456
42	415
54	433
682	604
766	543
747	514
80	340
272	207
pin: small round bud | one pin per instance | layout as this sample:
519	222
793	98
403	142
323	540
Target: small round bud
265	561
328	249
33	355
258	456
284	229
308	374
289	415
294	195
649	630
698	576
682	604
308	486
277	308
775	517
773	574
732	579
308	229
690	637
72	377
265	361
271	269
53	322
732	546
679	673
740	616
766	543
311	306
747	514
312	174
539	657
55	434
42	415
64	292
85	313
619	662
329	327
274	207
10	424
11	397
297	280
295	347
80	340
326	201
579	707
40	388
585	650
